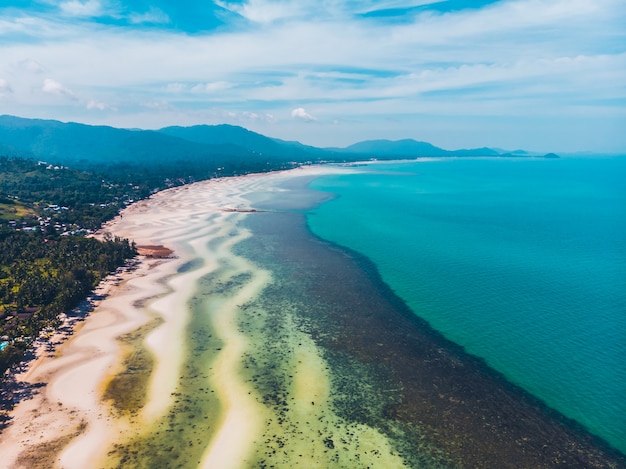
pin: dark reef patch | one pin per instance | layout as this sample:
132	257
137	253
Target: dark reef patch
127	390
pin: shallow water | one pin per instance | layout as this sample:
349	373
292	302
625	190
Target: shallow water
522	262
251	387
270	347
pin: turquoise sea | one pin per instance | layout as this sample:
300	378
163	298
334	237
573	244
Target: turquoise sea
520	261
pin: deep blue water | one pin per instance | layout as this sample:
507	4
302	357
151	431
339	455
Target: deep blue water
521	261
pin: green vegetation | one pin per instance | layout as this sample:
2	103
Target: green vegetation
47	265
44	195
40	278
11	209
157	159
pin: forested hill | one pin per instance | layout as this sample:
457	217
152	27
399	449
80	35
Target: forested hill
196	152
190	153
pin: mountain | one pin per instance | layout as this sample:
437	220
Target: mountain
484	151
514	152
398	148
261	145
81	145
195	152
409	148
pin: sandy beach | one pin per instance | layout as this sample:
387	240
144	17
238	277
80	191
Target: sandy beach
71	419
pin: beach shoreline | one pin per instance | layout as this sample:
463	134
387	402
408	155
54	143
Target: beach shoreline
66	374
59	408
276	360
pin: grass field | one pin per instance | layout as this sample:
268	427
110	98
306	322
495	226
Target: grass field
15	210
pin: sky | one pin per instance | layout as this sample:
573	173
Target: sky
542	75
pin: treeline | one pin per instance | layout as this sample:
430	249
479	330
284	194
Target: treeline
40	278
44	269
177	171
97	194
90	198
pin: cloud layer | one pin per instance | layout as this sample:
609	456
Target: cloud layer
547	74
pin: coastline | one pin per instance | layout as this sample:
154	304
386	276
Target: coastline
445	399
64	420
68	378
275	371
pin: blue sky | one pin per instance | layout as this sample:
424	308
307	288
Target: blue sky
544	75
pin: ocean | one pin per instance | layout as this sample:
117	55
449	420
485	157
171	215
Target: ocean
520	261
440	314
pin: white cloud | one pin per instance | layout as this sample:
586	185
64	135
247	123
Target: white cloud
51	86
31	66
5	88
176	87
241	117
94	104
20	25
89	8
301	114
156	104
256	116
376	5
212	87
268	11
153	15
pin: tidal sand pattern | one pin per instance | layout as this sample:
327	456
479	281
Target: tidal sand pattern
258	345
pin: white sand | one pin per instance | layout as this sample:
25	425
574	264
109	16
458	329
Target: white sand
243	415
193	222
74	378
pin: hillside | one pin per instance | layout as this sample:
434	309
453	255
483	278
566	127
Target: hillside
41	195
84	145
191	153
408	148
260	145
